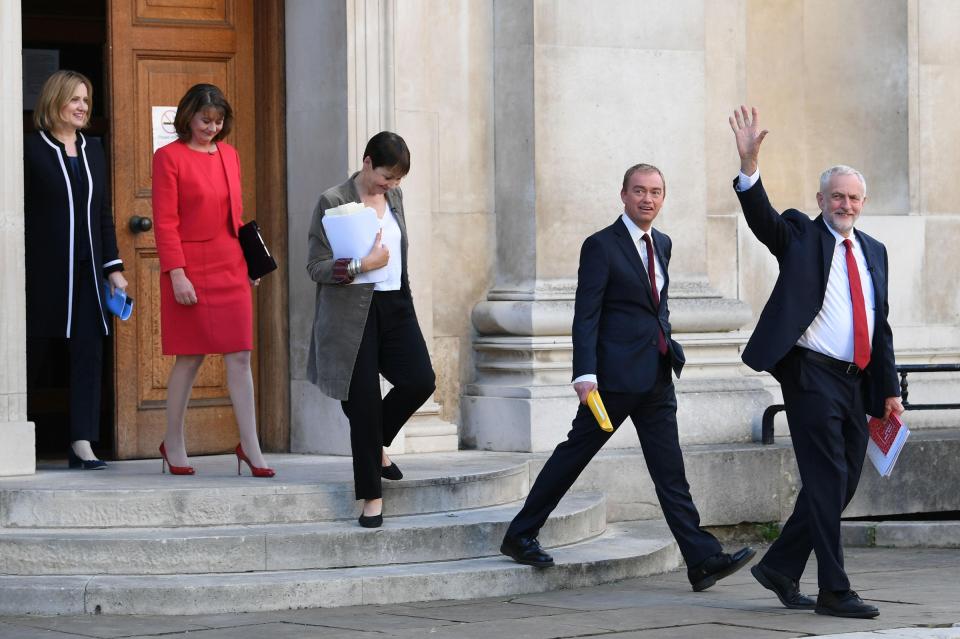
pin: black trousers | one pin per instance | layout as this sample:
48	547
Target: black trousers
654	415
392	345
829	430
85	346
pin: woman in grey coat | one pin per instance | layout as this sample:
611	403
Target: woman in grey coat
363	330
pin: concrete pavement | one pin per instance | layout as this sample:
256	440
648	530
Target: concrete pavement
917	591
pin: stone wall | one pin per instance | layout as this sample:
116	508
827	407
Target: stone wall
875	97
522	116
444	90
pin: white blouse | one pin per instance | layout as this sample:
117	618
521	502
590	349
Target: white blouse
391	238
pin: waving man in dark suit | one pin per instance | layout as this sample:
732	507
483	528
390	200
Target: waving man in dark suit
824	336
623	347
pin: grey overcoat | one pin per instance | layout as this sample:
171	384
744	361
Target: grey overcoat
340	310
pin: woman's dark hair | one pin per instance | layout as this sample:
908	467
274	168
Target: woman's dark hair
201	97
388	149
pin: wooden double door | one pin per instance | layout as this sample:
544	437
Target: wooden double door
156	50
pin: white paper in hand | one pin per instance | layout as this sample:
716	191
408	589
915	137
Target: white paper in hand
347	208
351	229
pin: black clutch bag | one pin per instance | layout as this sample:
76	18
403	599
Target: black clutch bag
255	251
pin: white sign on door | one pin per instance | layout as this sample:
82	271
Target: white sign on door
163	131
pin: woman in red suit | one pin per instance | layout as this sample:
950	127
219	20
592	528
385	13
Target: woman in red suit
205	304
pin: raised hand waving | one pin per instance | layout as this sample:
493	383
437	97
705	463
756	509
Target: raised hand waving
749	136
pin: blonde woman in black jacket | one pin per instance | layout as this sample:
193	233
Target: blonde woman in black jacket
71	247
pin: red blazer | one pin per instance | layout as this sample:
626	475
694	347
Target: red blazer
182	202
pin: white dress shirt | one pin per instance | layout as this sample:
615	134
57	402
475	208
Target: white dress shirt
831	332
636	234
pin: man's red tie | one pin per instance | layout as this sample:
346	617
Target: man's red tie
861	334
652	273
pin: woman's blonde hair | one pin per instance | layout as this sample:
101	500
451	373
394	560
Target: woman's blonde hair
55	94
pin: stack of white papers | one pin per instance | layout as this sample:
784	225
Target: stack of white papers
351	229
887	437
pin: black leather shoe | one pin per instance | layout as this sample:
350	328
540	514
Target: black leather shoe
75	462
712	569
373	521
525	550
391	472
844	604
786	589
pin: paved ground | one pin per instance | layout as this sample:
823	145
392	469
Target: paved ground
918	592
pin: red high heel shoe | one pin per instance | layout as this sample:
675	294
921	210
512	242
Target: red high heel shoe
174	470
257	472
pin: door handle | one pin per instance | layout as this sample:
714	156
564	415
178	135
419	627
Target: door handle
140	224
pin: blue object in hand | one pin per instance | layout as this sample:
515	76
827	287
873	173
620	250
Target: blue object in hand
118	302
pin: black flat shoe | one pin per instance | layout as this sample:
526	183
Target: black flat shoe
713	569
75	462
844	604
391	472
786	589
373	521
525	550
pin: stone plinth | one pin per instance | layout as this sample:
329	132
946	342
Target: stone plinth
522	399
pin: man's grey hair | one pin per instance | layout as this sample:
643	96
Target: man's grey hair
841	169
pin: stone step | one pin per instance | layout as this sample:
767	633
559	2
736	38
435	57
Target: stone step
902	534
306	489
623	551
402	540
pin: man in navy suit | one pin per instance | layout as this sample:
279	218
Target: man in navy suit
623	347
824	336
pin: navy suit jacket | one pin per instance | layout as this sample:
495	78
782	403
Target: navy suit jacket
804	250
615	322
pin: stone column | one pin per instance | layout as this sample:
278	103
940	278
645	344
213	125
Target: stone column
579	97
17	448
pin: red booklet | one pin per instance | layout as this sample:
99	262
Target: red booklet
887	437
884	432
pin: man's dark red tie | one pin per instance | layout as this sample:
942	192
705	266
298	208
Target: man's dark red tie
861	334
652	274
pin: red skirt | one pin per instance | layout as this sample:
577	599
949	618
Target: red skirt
222	319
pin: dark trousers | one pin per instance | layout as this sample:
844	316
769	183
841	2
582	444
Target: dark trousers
829	431
654	415
392	345
85	345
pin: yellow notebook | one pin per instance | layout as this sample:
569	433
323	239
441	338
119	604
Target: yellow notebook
598	410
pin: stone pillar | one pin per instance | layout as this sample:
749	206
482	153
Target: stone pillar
317	157
17	447
578	99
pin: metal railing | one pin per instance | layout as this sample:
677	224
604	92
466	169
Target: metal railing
766	430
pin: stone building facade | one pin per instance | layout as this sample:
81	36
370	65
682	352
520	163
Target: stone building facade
522	116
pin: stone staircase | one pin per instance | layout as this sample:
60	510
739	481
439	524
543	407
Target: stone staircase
131	541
